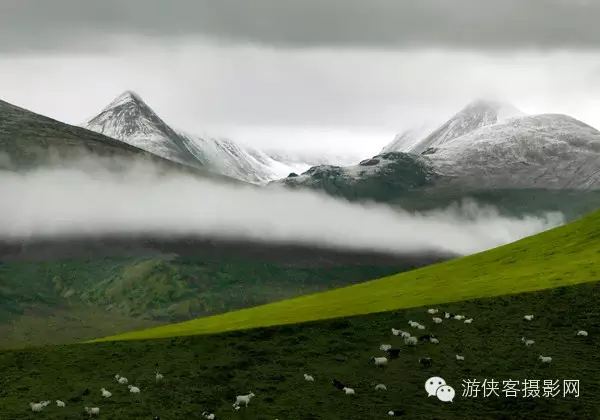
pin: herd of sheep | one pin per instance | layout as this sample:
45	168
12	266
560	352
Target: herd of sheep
392	353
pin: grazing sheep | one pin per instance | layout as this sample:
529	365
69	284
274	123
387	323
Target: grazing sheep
411	341
397	332
385	347
243	399
121	379
159	377
133	389
545	359
379	361
459	317
468	321
36	407
393	353
437	320
448	315
432	311
458	357
105	393
45	403
156	418
413	324
426	337
527	342
421	327
94	411
338	384
434	340
396	413
308	378
426	361
348	391
405	335
209	416
583	333
60	403
380	387
528	317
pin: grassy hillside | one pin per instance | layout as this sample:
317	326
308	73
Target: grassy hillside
563	256
56	300
207	372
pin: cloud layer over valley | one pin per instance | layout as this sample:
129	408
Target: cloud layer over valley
86	198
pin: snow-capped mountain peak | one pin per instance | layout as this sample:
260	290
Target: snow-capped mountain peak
129	119
476	114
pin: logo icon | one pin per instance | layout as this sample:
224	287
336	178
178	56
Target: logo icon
436	386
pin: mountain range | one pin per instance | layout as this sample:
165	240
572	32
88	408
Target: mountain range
487	148
129	119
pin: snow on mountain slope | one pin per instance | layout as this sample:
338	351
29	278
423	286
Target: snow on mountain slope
537	151
409	139
129	119
240	162
477	114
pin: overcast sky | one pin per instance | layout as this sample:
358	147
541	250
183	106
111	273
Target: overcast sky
340	75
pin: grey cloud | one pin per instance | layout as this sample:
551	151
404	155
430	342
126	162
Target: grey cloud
386	24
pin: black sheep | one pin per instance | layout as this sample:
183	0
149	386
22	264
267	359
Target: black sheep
393	353
338	384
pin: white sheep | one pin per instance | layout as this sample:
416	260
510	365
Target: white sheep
437	320
379	361
308	378
121	379
385	347
133	389
413	324
380	387
545	359
94	411
432	311
405	335
434	340
243	399
348	391
36	407
583	333
60	403
209	416
411	341
396	332
527	342
468	321
459	357
105	393
159	376
459	317
421	327
45	403
528	317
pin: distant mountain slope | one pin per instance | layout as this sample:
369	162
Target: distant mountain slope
409	139
28	139
478	113
129	119
539	151
379	178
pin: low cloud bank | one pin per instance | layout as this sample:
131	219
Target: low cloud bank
88	198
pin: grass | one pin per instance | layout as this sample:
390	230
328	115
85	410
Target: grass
563	256
60	301
206	372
